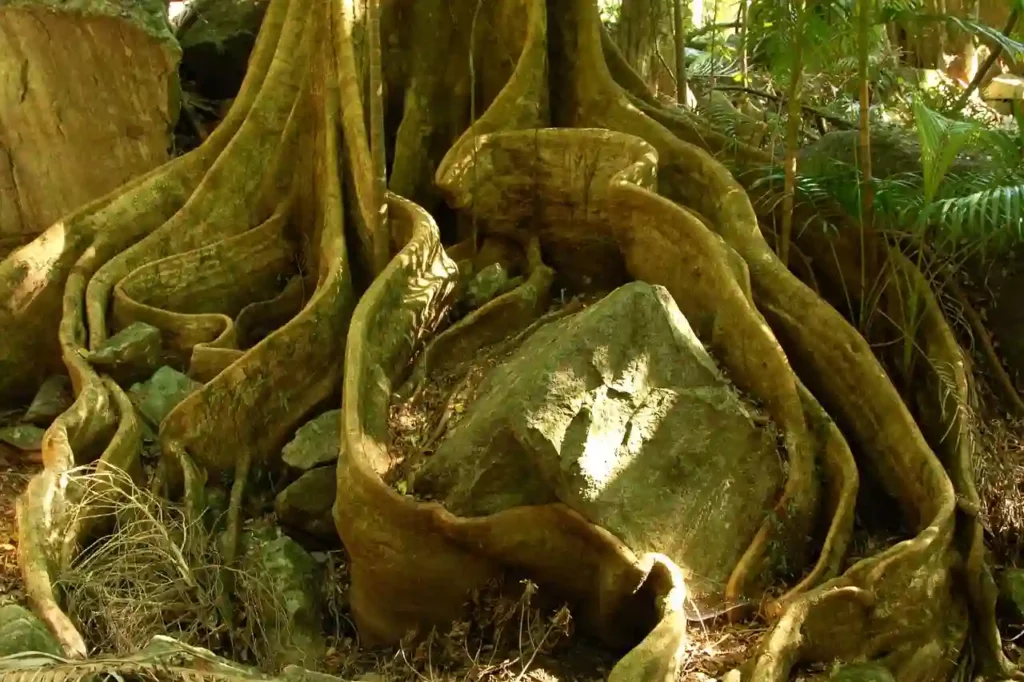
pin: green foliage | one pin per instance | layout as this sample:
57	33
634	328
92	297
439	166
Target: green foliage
975	205
942	140
899	12
829	40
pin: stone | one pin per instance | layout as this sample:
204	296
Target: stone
316	442
1011	591
306	504
1005	88
156	397
106	128
131	354
291	614
619	412
486	285
861	672
24	437
21	631
53	397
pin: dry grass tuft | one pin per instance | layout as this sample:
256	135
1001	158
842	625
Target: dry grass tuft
157	572
500	638
999	473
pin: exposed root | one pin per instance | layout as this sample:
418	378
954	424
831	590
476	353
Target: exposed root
634	194
219	204
503	316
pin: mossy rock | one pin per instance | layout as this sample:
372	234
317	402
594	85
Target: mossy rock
306	504
290	611
861	672
316	442
21	631
156	397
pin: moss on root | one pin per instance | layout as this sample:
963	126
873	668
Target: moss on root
567	151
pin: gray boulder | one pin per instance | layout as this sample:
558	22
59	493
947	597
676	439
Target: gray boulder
53	397
619	412
24	437
131	354
487	284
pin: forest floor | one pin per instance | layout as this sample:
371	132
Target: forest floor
502	638
15	473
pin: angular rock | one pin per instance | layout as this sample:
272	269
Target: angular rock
156	397
620	413
306	504
24	437
486	285
290	615
132	354
21	631
93	83
1003	91
316	442
54	397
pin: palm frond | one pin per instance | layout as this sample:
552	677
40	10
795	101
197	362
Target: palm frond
942	139
990	214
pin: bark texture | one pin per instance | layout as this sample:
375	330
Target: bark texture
109	123
572	156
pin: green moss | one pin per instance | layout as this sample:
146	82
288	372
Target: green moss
148	15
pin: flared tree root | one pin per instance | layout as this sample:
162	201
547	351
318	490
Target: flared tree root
614	188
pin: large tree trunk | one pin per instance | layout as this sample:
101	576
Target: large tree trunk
64	140
642	24
636	195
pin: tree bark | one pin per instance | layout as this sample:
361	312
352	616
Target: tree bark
127	107
571	152
679	40
641	24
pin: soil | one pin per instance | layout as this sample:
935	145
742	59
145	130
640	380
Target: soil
417	425
714	650
16	468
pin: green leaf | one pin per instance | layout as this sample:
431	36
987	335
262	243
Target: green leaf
942	139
